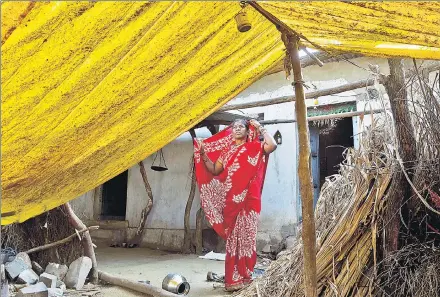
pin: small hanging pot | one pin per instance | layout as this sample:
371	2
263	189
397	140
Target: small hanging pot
162	166
243	24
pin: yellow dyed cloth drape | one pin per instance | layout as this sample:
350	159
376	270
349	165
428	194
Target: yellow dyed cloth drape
91	88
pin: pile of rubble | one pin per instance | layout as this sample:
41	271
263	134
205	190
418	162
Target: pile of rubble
22	277
275	251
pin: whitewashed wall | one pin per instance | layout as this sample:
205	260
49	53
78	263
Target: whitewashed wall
280	206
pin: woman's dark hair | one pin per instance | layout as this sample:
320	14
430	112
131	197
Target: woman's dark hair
243	121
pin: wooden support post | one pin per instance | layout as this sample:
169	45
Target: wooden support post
86	242
137	239
187	236
304	172
199	231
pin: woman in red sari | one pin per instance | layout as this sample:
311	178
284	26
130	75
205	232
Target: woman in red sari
230	170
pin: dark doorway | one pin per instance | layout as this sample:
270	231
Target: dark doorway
328	141
114	198
332	144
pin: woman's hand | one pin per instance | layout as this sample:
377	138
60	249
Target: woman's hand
201	147
269	143
255	123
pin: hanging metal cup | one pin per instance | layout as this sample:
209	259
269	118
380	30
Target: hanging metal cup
162	165
175	283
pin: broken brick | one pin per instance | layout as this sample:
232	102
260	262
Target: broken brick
55	292
27	277
58	270
78	271
25	258
37	268
49	280
15	267
37	290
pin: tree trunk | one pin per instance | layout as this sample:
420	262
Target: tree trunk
86	241
136	240
400	189
304	172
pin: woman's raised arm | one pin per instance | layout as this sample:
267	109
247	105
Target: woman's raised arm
214	168
269	143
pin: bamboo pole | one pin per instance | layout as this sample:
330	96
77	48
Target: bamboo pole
291	41
304	173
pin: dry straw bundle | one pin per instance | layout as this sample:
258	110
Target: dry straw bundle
411	271
346	224
350	214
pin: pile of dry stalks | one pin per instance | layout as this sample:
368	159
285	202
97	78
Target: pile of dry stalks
411	271
346	225
38	231
349	216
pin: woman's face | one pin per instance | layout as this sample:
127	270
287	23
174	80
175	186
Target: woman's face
239	130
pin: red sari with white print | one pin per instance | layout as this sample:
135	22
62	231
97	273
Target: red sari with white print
232	200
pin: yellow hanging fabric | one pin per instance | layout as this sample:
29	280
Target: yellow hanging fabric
91	88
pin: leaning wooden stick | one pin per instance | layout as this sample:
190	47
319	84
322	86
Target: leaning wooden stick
60	242
86	242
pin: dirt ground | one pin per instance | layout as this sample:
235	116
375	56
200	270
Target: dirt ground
145	264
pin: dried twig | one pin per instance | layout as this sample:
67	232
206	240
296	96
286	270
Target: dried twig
62	241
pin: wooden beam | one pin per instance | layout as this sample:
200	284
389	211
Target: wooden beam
304	172
325	117
324	92
315	94
220	118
